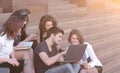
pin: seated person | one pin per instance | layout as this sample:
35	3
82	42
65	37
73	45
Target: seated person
46	57
46	22
94	65
7	54
27	55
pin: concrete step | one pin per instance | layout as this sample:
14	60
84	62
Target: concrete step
65	16
105	45
112	66
1	10
4	17
92	28
92	37
57	2
65	10
69	9
107	51
76	10
87	23
54	1
109	56
60	4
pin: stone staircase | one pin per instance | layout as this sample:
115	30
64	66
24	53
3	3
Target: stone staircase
100	30
63	10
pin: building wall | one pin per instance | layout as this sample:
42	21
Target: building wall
33	5
6	6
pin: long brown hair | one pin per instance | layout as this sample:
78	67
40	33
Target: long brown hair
43	20
11	27
78	34
23	15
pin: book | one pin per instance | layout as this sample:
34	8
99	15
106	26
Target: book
23	45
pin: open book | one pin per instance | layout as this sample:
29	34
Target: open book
23	45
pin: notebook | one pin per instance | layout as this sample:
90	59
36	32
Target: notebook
24	45
75	53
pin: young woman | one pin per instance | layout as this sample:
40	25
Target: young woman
7	35
46	22
27	55
23	14
94	65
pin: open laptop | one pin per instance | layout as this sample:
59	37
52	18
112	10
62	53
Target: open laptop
75	53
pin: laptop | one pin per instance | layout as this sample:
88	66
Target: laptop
75	53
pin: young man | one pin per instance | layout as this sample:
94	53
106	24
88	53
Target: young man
46	56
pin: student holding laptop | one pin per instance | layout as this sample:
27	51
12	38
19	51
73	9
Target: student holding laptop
94	65
46	57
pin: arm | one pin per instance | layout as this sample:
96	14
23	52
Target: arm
13	54
50	60
3	60
31	37
92	55
13	59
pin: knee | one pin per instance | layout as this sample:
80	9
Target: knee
83	71
28	55
69	66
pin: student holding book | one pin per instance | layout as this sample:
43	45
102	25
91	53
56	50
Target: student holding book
23	14
27	55
10	30
46	57
94	65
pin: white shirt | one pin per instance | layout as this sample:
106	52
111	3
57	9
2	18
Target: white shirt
6	46
90	53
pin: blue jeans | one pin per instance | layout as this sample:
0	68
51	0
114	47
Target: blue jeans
65	68
76	67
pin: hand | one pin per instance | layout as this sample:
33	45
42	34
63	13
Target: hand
13	62
86	65
63	53
61	59
19	45
79	61
32	37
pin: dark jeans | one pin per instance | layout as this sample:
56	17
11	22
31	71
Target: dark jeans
12	68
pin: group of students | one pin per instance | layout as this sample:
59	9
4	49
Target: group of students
46	55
